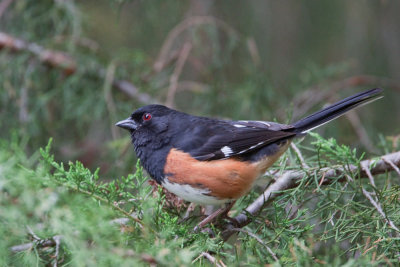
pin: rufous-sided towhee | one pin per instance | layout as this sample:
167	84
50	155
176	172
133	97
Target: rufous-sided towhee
212	161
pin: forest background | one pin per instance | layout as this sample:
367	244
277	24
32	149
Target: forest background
71	69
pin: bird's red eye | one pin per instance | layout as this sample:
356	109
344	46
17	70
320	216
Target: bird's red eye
146	116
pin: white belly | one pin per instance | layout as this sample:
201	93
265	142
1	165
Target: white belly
192	194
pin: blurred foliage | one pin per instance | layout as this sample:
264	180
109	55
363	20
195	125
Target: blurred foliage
308	225
248	60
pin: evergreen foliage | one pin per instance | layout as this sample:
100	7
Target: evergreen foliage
71	203
125	222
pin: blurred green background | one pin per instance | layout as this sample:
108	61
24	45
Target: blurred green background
264	60
69	70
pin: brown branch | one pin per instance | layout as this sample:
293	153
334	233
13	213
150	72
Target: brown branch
368	195
359	129
378	207
111	107
192	86
253	50
392	165
173	81
132	91
51	58
38	242
4	5
299	155
290	179
210	258
64	62
180	28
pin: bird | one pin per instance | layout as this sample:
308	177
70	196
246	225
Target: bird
212	161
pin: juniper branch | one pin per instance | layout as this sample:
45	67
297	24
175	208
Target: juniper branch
289	179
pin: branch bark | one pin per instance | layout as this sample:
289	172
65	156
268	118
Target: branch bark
67	64
290	179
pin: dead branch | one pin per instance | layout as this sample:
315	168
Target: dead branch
173	81
180	28
388	161
64	62
41	243
52	58
111	107
4	5
192	86
289	179
133	92
299	155
253	50
210	259
79	41
378	207
375	202
360	131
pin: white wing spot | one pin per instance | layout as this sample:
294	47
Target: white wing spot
259	144
264	122
239	125
227	151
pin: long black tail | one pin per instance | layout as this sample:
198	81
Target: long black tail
332	112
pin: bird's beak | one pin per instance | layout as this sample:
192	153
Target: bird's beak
127	124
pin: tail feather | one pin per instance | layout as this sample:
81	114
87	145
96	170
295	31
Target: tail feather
334	111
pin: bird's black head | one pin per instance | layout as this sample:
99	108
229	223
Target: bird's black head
146	123
149	127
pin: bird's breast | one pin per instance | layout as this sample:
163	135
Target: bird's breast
222	180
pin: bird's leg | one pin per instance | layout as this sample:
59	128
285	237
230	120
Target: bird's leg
223	212
189	210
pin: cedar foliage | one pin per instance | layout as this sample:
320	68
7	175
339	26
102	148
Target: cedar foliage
83	189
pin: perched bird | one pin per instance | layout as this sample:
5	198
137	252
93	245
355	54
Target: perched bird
212	161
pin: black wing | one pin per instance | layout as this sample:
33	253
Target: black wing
225	139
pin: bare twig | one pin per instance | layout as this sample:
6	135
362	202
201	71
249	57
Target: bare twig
38	242
210	258
259	240
132	91
108	79
57	240
289	179
173	82
299	155
365	167
180	28
191	86
378	207
388	161
32	234
68	65
368	195
253	50
51	58
4	5
359	129
81	41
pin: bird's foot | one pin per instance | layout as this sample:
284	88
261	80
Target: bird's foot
221	212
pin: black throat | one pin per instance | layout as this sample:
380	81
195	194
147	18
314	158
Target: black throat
152	154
